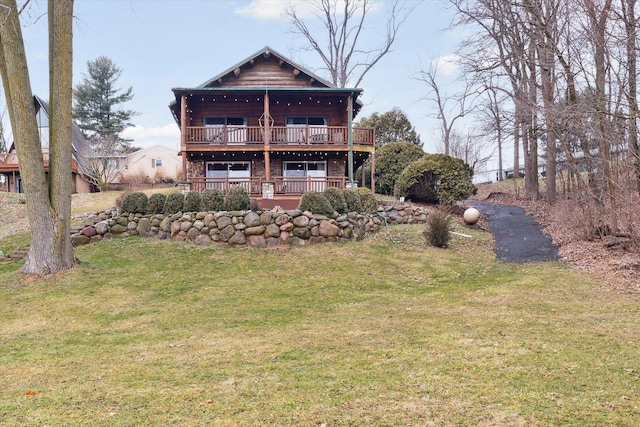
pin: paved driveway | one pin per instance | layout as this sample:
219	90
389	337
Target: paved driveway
518	237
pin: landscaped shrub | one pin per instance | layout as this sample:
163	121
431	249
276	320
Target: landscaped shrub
174	203
336	198
156	203
135	203
391	159
367	200
192	202
438	228
436	178
212	200
353	200
237	199
316	203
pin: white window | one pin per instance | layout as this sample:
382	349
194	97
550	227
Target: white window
299	126
235	172
304	121
156	163
228	170
236	129
305	176
112	164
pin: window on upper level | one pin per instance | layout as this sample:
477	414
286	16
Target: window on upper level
306	121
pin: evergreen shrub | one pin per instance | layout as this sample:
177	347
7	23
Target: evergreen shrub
174	203
316	203
436	178
135	203
156	203
192	202
336	198
353	200
367	200
237	199
212	200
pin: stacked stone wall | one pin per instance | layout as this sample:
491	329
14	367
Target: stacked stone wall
259	229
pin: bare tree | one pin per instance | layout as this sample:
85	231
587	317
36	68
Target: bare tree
104	161
506	44
48	205
449	108
342	42
630	22
494	118
474	150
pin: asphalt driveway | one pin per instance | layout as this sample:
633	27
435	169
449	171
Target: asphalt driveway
518	238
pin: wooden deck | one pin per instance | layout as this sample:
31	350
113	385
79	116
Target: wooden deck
330	137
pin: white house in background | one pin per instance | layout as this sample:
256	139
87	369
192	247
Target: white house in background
155	164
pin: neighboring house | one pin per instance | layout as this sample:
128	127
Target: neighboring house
9	163
154	164
271	126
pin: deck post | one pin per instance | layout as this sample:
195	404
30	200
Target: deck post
373	169
183	134
267	137
350	118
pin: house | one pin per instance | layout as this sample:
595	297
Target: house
154	164
9	164
273	127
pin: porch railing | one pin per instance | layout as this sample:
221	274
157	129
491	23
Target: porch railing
279	135
252	185
283	185
299	185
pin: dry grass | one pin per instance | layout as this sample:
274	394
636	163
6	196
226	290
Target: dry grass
388	331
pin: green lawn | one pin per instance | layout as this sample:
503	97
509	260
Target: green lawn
386	331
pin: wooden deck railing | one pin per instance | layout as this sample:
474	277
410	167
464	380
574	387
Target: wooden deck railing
252	185
299	185
279	135
282	185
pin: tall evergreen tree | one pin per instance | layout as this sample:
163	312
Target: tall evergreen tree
97	103
392	126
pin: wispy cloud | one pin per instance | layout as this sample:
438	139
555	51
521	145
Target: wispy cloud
145	137
265	10
447	65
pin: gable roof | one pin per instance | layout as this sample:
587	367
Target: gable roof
288	76
265	52
79	144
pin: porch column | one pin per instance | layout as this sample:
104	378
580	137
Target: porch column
183	134
267	137
350	124
373	170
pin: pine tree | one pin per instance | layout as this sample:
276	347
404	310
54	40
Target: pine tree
97	102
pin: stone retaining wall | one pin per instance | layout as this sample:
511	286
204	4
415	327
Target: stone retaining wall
258	229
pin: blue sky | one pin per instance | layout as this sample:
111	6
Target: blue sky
162	44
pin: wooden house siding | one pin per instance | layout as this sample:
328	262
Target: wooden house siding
265	151
251	107
266	72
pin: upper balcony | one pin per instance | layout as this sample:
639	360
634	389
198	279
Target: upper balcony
318	137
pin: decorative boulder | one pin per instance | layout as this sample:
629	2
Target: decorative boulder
471	216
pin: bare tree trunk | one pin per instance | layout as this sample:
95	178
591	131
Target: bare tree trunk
531	184
544	15
60	126
44	255
631	28
598	20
